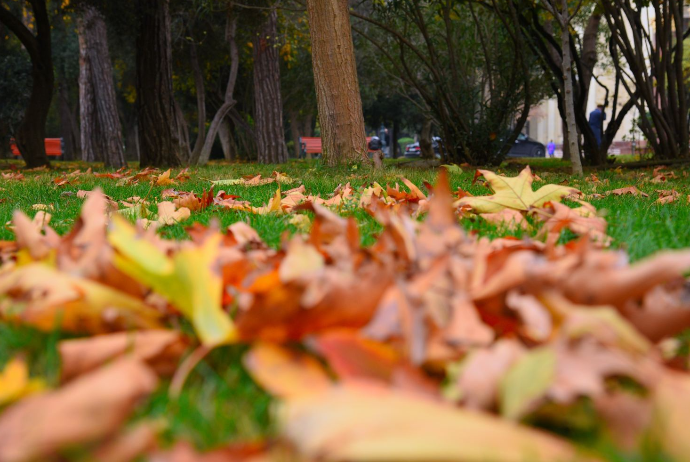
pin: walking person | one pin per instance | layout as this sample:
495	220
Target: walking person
551	148
596	122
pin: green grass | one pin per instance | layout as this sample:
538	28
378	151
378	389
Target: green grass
220	402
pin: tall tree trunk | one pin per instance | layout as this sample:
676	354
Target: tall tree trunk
296	132
394	139
337	86
568	94
158	132
31	133
101	132
268	103
66	128
132	141
425	142
226	141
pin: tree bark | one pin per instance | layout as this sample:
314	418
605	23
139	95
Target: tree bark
268	102
30	136
337	86
226	141
101	131
296	132
568	95
132	141
158	133
66	128
425	142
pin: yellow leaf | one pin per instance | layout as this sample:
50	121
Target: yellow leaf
15	382
527	381
367	422
514	193
164	179
42	297
283	372
188	279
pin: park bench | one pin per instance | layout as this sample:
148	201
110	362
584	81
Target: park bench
309	146
53	148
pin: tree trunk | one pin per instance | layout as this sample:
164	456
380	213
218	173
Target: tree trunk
158	132
425	142
337	86
226	141
296	132
268	103
132	141
66	128
30	136
575	160
101	131
394	139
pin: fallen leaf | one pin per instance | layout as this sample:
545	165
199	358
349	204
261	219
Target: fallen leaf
189	280
160	349
15	382
283	372
89	408
632	190
514	193
367	422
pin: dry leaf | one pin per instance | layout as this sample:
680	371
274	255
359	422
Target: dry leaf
90	408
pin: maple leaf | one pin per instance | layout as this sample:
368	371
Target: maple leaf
387	424
189	279
283	372
45	298
89	408
515	193
160	349
632	190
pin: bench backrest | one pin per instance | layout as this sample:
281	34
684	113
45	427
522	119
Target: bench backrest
53	147
312	145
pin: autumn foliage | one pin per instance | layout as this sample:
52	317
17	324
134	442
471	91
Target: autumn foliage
430	344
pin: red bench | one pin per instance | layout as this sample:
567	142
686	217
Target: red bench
311	145
53	147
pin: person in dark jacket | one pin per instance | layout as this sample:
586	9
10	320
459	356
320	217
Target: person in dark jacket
596	122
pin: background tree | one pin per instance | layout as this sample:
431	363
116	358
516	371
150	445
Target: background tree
654	55
561	13
158	133
270	137
101	130
545	39
465	66
337	87
30	134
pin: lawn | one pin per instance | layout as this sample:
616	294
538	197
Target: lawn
637	224
220	402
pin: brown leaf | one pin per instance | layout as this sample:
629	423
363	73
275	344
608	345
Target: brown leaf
160	349
283	372
628	190
367	422
90	408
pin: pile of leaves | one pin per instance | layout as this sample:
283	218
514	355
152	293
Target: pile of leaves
431	344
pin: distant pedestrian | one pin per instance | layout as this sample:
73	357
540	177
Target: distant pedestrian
551	148
596	122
